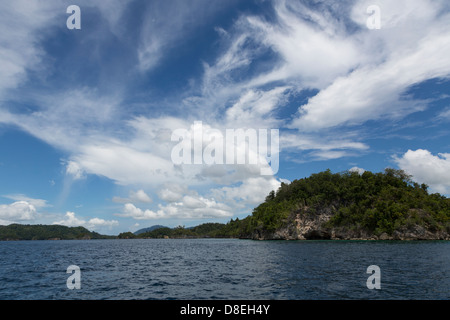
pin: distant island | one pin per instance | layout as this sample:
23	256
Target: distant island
143	230
47	232
324	206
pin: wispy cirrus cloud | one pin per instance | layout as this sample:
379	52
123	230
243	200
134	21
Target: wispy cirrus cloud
404	55
37	203
167	24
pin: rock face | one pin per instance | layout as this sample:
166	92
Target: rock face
303	226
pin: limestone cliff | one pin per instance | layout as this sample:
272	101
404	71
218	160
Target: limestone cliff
349	205
301	226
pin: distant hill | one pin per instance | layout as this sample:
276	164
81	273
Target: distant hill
143	230
47	232
206	230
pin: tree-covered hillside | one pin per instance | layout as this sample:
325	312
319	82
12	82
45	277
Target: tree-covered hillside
45	232
209	230
374	203
346	205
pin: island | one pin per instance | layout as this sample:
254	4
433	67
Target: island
47	232
324	206
335	206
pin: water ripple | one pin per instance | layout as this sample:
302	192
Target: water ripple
224	269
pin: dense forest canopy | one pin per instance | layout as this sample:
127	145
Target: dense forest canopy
45	232
376	202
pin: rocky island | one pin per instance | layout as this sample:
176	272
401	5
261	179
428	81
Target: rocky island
324	206
335	206
352	206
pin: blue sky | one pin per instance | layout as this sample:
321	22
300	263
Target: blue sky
87	115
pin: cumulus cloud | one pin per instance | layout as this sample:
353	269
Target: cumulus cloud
357	169
222	202
135	196
188	208
249	193
17	212
131	211
71	220
172	192
433	170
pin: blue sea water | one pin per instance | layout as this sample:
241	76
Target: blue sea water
224	269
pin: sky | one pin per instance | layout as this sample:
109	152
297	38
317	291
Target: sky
116	117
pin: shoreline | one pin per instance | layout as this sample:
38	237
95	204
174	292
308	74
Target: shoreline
225	238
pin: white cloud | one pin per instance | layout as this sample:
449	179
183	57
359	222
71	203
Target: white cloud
361	75
36	203
412	47
172	192
140	196
321	147
357	169
329	155
98	222
71	220
193	203
313	46
16	212
24	23
250	192
188	208
131	211
123	164
20	22
427	168
73	169
222	202
84	123
445	114
135	196
167	24
254	108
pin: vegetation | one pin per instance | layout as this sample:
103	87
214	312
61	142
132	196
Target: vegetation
148	229
46	232
206	230
374	202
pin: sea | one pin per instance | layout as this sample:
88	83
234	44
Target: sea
224	269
